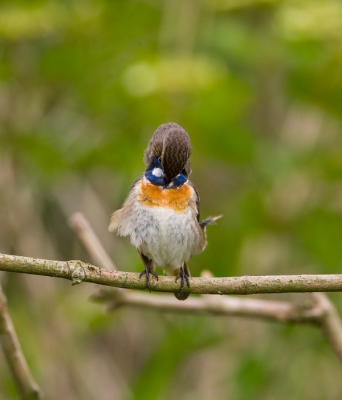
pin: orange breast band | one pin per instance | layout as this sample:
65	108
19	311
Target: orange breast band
154	196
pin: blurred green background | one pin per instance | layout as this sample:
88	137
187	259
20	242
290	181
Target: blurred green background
258	86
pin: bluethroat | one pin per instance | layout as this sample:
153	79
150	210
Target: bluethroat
161	213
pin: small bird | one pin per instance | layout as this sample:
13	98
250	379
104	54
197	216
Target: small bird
161	213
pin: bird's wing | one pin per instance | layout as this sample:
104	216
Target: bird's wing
120	215
195	200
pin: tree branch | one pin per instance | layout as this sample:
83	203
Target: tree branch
280	311
320	312
26	386
78	272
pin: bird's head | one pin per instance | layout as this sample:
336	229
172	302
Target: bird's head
168	155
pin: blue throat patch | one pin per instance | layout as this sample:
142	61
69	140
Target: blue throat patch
155	174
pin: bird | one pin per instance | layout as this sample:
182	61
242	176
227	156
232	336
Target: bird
161	213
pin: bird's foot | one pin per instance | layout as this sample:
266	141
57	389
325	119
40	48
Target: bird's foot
147	271
184	277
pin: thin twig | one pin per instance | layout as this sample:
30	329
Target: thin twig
321	312
87	236
78	272
280	311
26	386
329	322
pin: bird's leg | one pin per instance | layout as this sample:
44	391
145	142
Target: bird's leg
149	269
184	275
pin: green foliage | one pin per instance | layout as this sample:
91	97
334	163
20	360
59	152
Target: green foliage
258	86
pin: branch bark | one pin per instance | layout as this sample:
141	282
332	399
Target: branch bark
78	272
26	386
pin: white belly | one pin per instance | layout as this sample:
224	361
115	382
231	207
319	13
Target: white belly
165	236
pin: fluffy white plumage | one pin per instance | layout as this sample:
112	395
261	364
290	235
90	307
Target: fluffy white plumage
166	236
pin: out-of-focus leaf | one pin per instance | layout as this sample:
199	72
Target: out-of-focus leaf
320	233
173	75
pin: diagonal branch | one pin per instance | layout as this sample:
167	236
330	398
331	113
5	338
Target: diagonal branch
78	272
329	322
80	225
26	386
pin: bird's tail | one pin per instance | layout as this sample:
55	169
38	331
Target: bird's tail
210	221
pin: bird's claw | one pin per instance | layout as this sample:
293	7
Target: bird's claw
147	271
183	276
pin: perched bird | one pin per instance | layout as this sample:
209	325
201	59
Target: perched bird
161	213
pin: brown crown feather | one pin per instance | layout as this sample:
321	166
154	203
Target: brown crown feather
171	144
